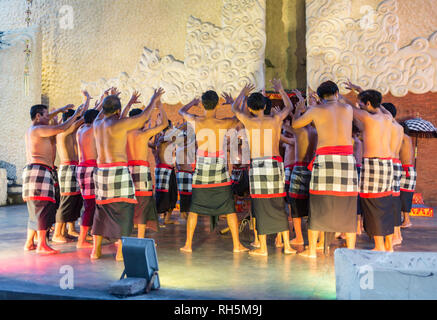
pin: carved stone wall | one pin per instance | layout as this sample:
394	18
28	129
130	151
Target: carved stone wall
367	50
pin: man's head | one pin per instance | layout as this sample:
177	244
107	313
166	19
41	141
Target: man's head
268	108
135	112
390	107
327	89
256	102
210	99
40	113
67	114
111	104
90	115
370	100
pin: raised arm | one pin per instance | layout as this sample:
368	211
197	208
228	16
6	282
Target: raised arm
133	100
54	113
49	131
159	127
238	105
301	120
277	86
183	112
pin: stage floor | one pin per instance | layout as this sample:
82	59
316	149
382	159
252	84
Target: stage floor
212	271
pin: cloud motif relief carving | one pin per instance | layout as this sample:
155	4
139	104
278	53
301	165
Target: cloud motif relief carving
367	51
221	58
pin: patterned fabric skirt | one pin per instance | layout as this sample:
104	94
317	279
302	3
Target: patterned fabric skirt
85	178
166	193
299	189
240	181
67	179
141	177
69	208
38	183
185	181
407	187
113	220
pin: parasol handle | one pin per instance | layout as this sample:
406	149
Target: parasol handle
415	154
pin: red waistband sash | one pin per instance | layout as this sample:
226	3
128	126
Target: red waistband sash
69	163
358	165
301	164
88	163
244	168
337	150
138	163
43	165
396	160
114	164
185	171
290	166
218	154
405	168
163	165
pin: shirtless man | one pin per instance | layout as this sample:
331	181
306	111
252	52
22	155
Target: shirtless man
377	170
71	199
38	175
212	192
408	180
358	154
397	135
139	167
115	190
264	132
333	192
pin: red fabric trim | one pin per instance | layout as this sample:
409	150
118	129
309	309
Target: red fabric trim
161	190
186	193
383	158
69	163
243	168
114	164
70	193
407	190
89	197
44	165
163	165
266	196
405	168
128	200
88	163
39	198
217	154
138	163
212	185
396	160
297	196
376	195
359	165
287	182
334	193
338	150
290	165
301	164
396	194
185	171
143	193
193	166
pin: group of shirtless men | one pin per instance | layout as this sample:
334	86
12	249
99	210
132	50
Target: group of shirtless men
340	159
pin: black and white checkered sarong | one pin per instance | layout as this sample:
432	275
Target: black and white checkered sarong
114	184
334	174
185	181
376	177
397	175
288	171
211	171
162	178
67	180
266	178
85	178
408	181
38	183
300	182
142	179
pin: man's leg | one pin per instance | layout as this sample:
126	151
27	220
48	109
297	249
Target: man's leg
119	255
278	240
256	242
262	251
379	243
71	227
407	223
42	244
389	243
58	235
191	226
397	237
297	224
141	231
287	248
97	247
233	226
30	245
81	242
321	242
312	244
351	240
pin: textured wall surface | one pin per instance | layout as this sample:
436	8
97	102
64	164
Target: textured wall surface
14	103
368	50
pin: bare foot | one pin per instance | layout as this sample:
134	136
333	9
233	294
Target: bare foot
296	242
73	234
84	245
397	242
60	239
289	251
241	248
255	244
29	247
119	257
95	255
307	253
46	250
258	252
186	249
406	225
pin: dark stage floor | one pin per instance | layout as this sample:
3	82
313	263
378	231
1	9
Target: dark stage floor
212	271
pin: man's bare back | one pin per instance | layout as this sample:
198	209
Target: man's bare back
406	153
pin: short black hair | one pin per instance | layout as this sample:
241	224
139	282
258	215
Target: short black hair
390	107
210	99
372	96
135	112
37	109
327	88
406	129
268	108
90	115
256	101
111	104
67	114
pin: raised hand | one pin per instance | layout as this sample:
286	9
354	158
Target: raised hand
134	98
301	106
195	102
350	86
276	110
228	98
298	94
248	88
277	84
86	94
158	93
